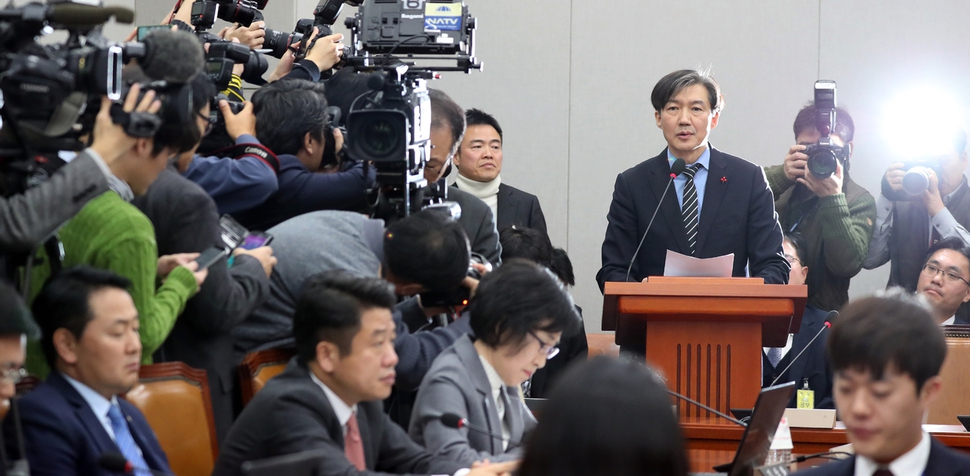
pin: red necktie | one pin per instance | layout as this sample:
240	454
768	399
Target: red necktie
353	445
882	472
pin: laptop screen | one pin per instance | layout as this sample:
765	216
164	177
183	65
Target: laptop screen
761	428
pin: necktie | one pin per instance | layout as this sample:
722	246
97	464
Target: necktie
774	356
353	445
689	208
882	472
124	440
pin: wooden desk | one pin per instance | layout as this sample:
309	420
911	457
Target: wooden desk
719	435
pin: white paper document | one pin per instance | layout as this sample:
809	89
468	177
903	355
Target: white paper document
689	266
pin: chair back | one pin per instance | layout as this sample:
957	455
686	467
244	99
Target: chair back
176	402
954	399
258	367
602	344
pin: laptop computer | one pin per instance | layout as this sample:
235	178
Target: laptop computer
306	463
756	441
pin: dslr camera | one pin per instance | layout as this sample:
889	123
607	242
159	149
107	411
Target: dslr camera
825	156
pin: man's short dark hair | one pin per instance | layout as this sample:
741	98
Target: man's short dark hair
671	84
427	248
330	307
445	112
64	301
888	331
15	318
518	298
805	121
952	243
478	117
286	111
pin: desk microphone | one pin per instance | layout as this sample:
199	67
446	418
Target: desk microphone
695	402
117	463
452	420
675	169
828	323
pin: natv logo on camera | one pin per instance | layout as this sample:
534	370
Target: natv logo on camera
442	16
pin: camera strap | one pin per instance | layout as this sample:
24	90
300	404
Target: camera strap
258	151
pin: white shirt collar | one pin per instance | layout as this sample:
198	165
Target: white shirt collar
340	408
912	462
99	405
494	380
949	322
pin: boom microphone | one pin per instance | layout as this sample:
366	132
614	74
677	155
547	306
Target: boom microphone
452	420
172	56
70	14
828	323
675	169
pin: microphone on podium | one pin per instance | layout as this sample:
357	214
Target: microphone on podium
828	323
695	402
675	169
452	420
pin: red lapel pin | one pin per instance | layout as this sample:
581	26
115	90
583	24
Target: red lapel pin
723	179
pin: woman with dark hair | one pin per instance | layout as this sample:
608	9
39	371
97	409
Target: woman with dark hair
606	417
517	315
534	245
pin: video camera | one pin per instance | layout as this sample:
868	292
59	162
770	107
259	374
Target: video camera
390	126
824	157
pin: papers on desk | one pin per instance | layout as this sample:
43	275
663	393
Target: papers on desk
689	266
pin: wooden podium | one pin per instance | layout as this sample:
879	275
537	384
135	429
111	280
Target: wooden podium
706	334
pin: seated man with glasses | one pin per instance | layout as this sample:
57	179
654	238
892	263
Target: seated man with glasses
943	283
517	315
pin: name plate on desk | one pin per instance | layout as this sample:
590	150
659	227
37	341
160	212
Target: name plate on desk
806	418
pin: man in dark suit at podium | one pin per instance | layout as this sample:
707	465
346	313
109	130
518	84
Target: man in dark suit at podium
720	204
811	369
887	352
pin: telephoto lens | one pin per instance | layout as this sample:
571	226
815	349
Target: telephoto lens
917	180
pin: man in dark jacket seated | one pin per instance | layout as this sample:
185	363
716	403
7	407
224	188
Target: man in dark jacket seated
329	396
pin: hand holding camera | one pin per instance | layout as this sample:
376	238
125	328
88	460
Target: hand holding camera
824	187
325	51
251	36
238	124
110	139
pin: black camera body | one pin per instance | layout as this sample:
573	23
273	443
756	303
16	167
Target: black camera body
218	138
243	12
458	296
390	127
825	156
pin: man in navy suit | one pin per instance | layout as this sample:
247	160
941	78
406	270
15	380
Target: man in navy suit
721	204
944	282
887	352
89	328
811	370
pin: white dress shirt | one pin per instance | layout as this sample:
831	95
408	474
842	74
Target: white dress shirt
497	385
912	462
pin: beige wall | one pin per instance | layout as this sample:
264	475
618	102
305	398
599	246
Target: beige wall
570	80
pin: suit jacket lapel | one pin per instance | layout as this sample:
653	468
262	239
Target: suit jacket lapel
144	441
669	208
713	196
366	437
91	422
469	357
506	208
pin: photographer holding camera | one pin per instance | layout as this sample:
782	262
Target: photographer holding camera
833	213
918	206
110	233
291	120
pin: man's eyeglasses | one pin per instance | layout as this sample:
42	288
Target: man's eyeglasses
931	271
549	349
210	123
13	375
792	260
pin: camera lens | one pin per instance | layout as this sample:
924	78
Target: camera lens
278	42
916	180
380	137
822	161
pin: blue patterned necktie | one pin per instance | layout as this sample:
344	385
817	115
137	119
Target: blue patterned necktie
124	440
689	207
775	355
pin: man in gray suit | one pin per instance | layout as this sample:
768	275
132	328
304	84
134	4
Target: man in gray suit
479	163
329	397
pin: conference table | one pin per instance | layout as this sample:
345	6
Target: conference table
712	440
